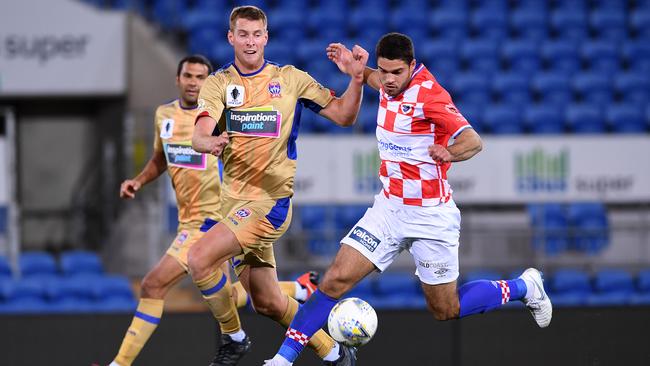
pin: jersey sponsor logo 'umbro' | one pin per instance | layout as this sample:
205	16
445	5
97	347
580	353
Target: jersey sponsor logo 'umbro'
366	239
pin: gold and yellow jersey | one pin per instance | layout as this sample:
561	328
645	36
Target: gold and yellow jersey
261	112
195	176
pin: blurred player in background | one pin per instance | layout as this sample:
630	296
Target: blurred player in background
415	211
196	181
256	106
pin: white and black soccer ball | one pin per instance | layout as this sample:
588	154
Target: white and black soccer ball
352	322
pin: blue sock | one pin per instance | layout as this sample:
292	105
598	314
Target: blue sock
483	295
308	320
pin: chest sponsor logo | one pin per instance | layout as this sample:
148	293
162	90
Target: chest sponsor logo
183	156
275	90
396	150
167	128
365	238
254	122
234	95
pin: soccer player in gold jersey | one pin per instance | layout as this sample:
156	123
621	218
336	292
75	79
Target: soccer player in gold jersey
250	112
196	181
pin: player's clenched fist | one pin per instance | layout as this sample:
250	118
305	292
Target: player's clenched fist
439	154
128	188
352	62
218	143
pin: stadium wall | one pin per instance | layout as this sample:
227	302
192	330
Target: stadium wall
594	336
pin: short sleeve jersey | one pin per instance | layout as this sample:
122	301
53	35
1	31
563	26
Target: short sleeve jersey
195	176
407	124
261	112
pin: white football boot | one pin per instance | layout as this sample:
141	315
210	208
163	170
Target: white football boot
538	302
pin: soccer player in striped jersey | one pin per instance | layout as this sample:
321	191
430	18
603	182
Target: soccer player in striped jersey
415	210
196	182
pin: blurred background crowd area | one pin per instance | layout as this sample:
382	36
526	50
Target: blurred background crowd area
559	90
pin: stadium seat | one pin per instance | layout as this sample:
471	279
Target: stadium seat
643	281
404	18
114	305
511	88
449	24
613	287
593	87
601	56
545	119
569	25
346	216
480	55
5	269
471	88
552	87
111	287
474	115
503	119
202	16
327	24
363	19
561	56
521	56
314	217
202	40
75	287
26	306
637	55
608	5
323	247
626	118
633	87
70	305
80	262
569	280
397	283
609	24
530	24
441	57
461	5
476	275
496	5
29	288
640	23
367	119
262	4
550	227
288	25
590	226
36	263
571	5
363	289
490	23
168	13
281	53
585	118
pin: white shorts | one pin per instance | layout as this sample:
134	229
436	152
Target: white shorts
429	233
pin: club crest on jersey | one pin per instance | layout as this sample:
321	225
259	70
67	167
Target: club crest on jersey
234	95
182	237
242	213
407	108
167	128
275	90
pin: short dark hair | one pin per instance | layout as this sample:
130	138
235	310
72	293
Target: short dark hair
194	59
249	12
395	46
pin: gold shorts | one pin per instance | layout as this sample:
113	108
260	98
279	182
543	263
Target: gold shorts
257	225
186	236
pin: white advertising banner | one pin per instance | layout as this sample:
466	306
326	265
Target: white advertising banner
61	47
343	169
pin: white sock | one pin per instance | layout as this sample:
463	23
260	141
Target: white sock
281	361
301	292
238	336
334	353
114	364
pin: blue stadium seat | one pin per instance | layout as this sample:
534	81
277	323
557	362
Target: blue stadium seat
585	118
114	305
327	25
511	88
637	55
601	56
633	87
36	263
202	40
496	5
287	25
610	5
81	262
551	87
480	55
346	216
112	287
314	217
640	23
590	226
441	57
462	5
77	288
168	13
643	281
26	306
569	280
569	25
474	115
262	4
476	275
571	5
561	56
5	269
202	16
11	289
368	117
503	119
613	287
609	24
550	227
488	23
363	289
521	56
593	87
450	24
530	24
397	283
471	87
323	247
363	19
290	4
405	17
531	5
282	53
545	119
626	118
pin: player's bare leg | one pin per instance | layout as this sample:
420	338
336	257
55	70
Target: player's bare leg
349	267
442	300
154	287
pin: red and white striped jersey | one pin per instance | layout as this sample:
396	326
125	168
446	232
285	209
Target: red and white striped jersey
407	125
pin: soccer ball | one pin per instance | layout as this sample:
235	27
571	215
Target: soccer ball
352	322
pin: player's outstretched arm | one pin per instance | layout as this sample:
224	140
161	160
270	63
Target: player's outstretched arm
152	170
344	110
337	53
202	139
467	144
